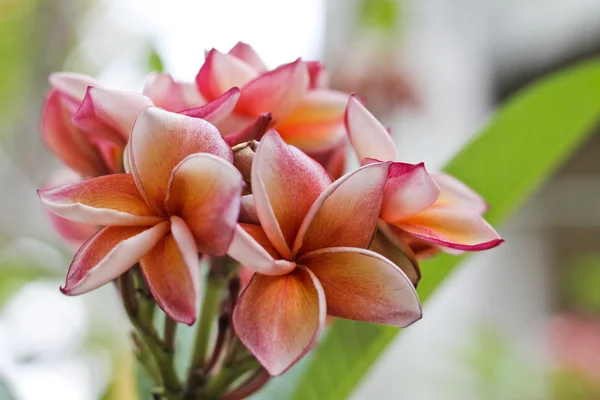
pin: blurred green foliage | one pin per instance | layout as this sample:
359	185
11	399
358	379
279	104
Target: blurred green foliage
15	39
155	62
380	14
582	283
525	141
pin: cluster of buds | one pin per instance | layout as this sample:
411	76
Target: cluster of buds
245	168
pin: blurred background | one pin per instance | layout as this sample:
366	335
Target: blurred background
521	321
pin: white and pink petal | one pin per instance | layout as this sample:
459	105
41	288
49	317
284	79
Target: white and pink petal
280	318
369	138
105	200
205	191
364	286
108	254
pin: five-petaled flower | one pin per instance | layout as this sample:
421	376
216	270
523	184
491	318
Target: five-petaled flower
305	112
419	208
182	197
308	251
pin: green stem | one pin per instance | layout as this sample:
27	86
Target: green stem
163	356
213	294
169	336
218	385
147	305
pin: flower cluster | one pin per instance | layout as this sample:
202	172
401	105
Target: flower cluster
248	163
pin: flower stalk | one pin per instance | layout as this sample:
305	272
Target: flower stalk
169	386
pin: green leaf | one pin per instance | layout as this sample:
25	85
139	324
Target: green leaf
524	143
155	62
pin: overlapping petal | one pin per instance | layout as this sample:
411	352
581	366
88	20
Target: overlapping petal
247	54
455	193
253	130
393	247
317	123
159	141
346	213
318	75
109	253
278	91
285	183
252	248
67	141
205	191
109	113
75	233
105	200
72	84
279	318
409	190
171	270
452	227
369	138
364	286
220	72
217	110
174	96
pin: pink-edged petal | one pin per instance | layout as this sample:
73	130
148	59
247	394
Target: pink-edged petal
317	123
248	210
205	191
421	249
455	193
109	253
110	113
160	140
318	75
252	248
172	274
346	213
369	138
166	93
72	84
278	91
452	227
364	286
395	249
217	110
247	54
220	72
67	141
254	130
280	318
105	200
285	184
75	233
409	190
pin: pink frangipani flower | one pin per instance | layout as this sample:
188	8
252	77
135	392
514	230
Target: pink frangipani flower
309	255
181	198
437	209
305	112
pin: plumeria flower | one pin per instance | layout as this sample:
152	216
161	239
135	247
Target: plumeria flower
88	126
305	112
437	209
181	198
309	255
